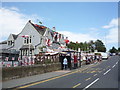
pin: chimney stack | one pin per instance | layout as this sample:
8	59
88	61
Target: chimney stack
30	21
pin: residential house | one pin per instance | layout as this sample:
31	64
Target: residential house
32	38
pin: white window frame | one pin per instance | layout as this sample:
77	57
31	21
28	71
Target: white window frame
25	40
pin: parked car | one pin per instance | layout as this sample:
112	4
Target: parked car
119	53
104	55
113	54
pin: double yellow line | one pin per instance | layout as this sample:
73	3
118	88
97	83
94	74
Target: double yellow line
25	86
45	80
77	85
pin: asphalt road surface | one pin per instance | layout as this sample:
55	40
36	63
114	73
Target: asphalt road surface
102	75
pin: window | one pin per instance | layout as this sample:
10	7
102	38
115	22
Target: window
10	42
31	52
27	40
25	52
30	39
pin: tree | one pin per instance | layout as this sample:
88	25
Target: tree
113	50
88	46
99	46
119	49
91	45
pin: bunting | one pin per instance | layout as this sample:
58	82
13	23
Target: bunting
13	58
6	58
48	42
25	36
8	65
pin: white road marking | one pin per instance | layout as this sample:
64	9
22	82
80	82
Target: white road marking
95	75
107	71
116	62
91	84
113	66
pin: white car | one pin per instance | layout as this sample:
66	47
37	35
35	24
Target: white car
104	55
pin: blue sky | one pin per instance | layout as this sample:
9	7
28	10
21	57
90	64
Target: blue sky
79	18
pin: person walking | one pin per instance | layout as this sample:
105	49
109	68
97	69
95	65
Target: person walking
75	61
98	58
65	63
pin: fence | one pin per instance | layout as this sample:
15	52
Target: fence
30	60
45	59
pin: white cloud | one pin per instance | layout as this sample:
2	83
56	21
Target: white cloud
112	36
80	37
14	9
113	23
94	29
12	21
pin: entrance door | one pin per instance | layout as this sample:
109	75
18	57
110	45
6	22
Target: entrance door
68	62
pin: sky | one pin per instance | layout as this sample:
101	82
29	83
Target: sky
79	21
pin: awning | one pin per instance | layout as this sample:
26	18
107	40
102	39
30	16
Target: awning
27	47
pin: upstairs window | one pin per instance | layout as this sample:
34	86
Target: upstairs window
10	42
30	39
27	40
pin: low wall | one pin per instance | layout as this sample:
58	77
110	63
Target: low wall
23	71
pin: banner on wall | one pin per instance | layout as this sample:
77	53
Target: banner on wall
7	63
15	63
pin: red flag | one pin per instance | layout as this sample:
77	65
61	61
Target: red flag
76	41
66	41
48	43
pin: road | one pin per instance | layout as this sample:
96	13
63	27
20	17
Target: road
102	75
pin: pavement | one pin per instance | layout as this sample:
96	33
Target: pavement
98	75
35	78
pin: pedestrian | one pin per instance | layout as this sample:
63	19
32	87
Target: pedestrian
89	59
75	61
65	63
98	58
86	59
93	58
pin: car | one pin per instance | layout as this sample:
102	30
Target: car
113	54
119	53
104	55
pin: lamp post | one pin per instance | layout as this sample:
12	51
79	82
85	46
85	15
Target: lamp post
79	51
106	40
